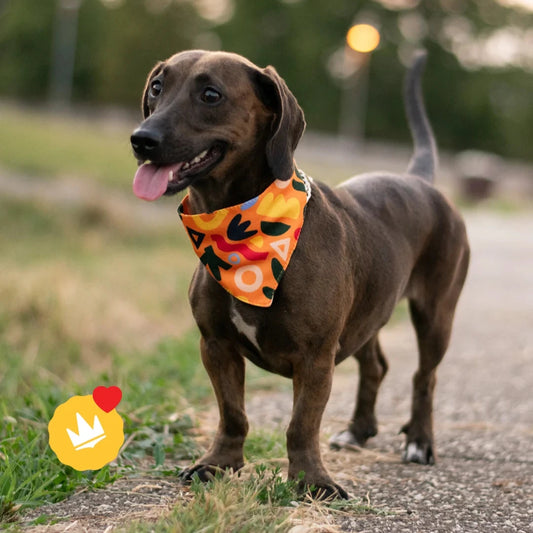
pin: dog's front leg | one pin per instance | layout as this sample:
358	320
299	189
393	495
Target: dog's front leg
226	370
312	386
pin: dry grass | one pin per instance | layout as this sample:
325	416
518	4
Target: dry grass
84	286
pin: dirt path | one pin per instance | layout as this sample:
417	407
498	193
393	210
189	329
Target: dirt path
483	411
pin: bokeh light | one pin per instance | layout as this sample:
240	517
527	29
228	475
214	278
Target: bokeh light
363	38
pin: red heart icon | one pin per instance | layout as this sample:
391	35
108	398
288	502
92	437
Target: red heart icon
107	398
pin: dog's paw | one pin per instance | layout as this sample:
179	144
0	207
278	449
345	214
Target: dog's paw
419	453
356	435
203	472
344	439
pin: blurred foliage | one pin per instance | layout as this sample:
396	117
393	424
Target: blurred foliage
483	107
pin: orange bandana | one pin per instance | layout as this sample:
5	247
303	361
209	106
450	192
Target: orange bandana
247	247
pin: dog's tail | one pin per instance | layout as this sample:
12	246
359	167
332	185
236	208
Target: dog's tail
424	160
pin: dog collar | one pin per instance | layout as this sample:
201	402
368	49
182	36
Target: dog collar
247	247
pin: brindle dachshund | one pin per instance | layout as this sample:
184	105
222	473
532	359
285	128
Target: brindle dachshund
227	129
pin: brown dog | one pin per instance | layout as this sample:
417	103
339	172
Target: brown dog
216	123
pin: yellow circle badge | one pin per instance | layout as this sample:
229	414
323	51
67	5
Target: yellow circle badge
86	432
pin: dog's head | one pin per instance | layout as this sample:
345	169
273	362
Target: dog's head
207	114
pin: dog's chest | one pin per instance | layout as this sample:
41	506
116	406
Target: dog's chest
247	330
258	343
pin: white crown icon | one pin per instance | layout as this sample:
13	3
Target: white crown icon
87	436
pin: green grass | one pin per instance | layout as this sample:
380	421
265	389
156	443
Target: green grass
262	502
71	146
262	445
88	287
31	474
154	385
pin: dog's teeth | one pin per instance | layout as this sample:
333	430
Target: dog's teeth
170	175
197	159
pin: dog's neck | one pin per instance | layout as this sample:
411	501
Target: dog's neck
240	184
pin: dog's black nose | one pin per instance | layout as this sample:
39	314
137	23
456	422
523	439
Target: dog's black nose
146	142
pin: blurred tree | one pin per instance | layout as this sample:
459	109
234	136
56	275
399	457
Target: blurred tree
477	96
118	46
64	43
118	41
471	105
478	84
25	47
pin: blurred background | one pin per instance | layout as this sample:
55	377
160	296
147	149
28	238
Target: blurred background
88	270
93	282
478	86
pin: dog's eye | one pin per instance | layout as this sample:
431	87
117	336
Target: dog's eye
210	96
156	87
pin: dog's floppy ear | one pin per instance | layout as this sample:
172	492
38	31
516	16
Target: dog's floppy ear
288	124
155	71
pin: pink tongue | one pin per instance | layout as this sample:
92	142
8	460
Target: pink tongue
150	182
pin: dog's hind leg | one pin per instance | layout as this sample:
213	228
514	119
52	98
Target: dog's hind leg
433	337
432	313
372	369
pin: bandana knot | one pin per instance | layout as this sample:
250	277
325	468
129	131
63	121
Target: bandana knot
247	247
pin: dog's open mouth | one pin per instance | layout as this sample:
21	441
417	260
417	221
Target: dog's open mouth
153	181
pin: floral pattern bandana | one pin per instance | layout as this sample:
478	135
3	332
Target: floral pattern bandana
247	247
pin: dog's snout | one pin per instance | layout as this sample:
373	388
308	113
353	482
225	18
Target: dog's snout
145	142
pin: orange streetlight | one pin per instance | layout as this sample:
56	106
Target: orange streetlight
363	38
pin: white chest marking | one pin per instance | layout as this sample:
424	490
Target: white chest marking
249	331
